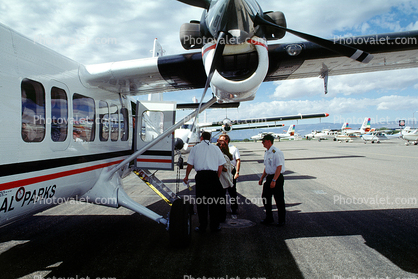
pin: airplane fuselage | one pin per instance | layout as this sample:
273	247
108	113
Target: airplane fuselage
57	135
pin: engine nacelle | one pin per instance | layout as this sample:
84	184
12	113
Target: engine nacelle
276	18
229	89
190	35
227	125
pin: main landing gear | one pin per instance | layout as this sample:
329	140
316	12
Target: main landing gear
180	223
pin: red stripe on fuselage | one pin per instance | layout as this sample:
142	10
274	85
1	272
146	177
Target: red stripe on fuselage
38	179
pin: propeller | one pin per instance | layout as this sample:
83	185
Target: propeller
345	50
197	3
219	49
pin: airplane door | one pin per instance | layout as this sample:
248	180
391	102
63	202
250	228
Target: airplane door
152	119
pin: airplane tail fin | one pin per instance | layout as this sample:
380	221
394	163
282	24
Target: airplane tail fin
291	130
158	50
366	125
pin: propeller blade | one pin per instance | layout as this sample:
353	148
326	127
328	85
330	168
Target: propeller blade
220	46
219	49
345	50
197	3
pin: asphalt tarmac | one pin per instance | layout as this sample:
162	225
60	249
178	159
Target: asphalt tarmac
351	213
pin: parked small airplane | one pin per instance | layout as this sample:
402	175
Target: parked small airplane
71	132
348	135
326	133
290	134
261	135
410	136
184	133
365	128
378	136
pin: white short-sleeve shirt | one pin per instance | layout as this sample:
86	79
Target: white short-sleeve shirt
272	159
235	154
206	156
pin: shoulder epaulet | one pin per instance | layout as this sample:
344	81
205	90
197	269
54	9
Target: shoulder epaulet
274	151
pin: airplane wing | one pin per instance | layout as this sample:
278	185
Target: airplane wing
269	119
253	123
286	61
247	127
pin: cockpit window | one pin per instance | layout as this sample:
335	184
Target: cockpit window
33	111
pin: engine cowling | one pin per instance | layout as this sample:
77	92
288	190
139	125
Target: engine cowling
227	125
229	89
191	36
277	18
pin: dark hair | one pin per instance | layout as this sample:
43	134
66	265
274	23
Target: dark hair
268	137
205	135
225	150
228	139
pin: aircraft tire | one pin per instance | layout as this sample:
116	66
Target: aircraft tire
180	229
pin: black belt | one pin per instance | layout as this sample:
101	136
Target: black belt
205	171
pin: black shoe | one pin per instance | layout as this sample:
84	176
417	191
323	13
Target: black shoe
281	224
199	230
218	229
267	222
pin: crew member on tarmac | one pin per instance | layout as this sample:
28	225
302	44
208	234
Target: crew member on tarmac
207	160
273	172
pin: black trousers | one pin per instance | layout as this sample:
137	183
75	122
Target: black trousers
278	193
209	198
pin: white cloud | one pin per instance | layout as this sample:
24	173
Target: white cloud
347	84
135	24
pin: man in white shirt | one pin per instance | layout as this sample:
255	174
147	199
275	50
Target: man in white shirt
207	160
236	162
273	172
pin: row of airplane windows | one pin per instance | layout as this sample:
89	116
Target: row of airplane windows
112	122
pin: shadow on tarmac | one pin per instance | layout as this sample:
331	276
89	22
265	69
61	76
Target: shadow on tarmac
133	246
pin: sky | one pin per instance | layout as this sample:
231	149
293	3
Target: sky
97	31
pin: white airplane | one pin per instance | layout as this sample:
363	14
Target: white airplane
365	128
261	135
191	135
322	135
378	136
348	135
410	135
70	130
290	134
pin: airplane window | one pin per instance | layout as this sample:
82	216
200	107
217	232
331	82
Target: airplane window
33	111
114	123
104	121
124	124
83	114
59	114
152	125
